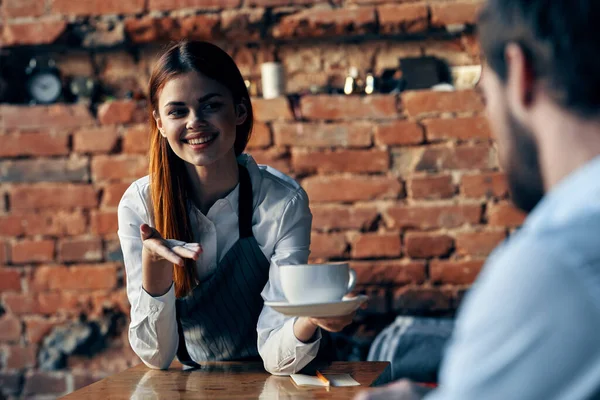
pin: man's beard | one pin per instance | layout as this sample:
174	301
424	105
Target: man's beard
523	170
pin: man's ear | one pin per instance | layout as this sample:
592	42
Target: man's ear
158	123
241	113
520	81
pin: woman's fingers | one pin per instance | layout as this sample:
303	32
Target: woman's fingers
190	250
159	250
147	232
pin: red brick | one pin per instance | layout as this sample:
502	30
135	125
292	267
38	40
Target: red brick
150	29
32	251
73	169
376	245
451	51
20	357
431	187
277	3
104	223
41	143
431	102
505	214
80	249
492	184
325	107
340	161
37	383
351	188
10	280
200	27
60	116
64	303
79	277
116	112
45	195
37	328
457	12
419	299
319	22
428	217
136	139
275	157
457	129
266	110
454	272
403	18
112	193
424	245
245	24
19	304
156	5
330	217
3	253
327	245
23	8
392	272
477	157
120	167
10	328
11	225
42	31
323	135
95	140
59	223
478	243
398	133
261	136
97	7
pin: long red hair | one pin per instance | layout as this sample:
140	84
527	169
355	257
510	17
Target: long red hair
168	175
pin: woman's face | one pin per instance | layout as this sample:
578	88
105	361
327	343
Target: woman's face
198	117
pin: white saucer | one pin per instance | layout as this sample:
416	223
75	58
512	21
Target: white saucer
335	309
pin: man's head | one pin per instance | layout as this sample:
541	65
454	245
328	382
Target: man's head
539	55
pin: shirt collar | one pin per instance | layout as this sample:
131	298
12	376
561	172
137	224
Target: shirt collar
576	191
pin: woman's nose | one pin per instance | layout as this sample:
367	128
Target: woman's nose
196	121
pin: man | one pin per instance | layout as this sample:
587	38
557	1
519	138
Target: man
530	326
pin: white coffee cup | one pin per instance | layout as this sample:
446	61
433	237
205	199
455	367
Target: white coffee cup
316	283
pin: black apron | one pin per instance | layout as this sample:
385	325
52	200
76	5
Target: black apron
217	320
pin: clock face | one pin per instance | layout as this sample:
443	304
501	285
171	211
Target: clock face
45	87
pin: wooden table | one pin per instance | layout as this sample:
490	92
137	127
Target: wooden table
228	380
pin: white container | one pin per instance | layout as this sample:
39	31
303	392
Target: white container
273	80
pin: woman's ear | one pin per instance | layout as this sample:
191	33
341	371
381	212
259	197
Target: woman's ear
158	123
241	113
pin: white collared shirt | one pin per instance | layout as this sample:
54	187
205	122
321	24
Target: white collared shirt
281	224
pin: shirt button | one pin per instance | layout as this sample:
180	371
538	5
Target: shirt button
153	308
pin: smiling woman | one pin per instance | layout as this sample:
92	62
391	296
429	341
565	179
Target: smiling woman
204	234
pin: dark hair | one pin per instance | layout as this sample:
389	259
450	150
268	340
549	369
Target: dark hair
168	182
561	41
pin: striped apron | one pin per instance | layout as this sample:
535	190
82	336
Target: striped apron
217	320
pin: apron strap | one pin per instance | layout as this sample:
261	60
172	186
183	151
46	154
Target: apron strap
245	203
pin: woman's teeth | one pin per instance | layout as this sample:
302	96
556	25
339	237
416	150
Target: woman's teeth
202	139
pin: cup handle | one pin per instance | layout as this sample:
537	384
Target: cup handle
352	281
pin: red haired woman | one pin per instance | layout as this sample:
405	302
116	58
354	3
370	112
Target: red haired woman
203	234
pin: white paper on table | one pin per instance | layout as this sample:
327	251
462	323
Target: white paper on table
336	380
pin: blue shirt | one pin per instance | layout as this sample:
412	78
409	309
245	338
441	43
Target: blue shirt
530	326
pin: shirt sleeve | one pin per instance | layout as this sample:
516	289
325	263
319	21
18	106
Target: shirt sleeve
528	330
281	351
153	327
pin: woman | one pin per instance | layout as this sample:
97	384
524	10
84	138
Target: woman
229	222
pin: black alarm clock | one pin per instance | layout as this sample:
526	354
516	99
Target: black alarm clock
43	82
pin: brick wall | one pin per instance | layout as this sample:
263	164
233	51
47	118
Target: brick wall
406	187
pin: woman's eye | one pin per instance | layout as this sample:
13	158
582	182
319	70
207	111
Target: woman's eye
176	113
211	106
